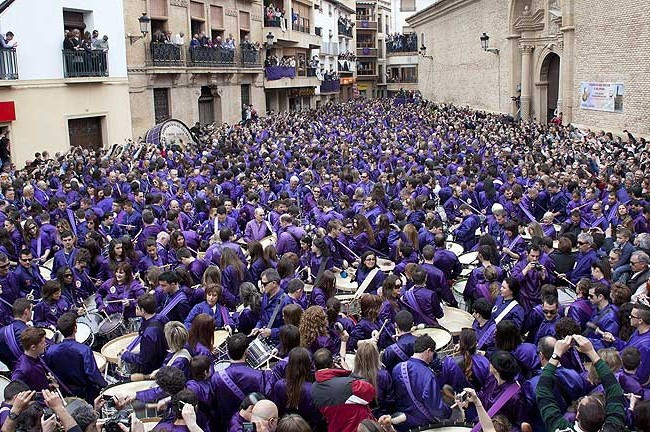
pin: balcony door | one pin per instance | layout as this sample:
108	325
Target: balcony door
206	106
86	133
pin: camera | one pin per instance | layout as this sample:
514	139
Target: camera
249	427
538	266
121	417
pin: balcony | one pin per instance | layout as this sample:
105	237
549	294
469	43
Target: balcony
210	57
167	55
366	74
250	58
366	52
329	48
401	44
272	73
347	67
275	22
80	64
277	77
8	64
344	31
366	24
333	86
402	80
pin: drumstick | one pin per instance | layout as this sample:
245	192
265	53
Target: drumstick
119	301
557	275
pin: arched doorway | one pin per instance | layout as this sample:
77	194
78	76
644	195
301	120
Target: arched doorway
550	74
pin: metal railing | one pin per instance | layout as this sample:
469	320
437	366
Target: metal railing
8	64
402	80
402	44
250	57
366	24
366	52
163	54
211	56
77	64
366	72
275	22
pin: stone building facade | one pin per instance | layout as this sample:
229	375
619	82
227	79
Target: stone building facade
547	49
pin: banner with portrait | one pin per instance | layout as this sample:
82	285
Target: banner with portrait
602	96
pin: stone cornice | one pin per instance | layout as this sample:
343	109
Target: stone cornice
438	9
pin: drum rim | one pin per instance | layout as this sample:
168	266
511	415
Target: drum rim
440	425
451	336
111	386
110	319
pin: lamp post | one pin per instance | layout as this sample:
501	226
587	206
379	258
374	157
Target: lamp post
144	21
270	40
423	52
485	44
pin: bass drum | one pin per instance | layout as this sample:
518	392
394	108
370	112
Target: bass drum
444	426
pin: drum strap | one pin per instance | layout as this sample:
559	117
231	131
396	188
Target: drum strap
366	282
38	246
275	311
412	303
58	380
182	353
224	315
500	402
71	219
400	352
488	334
506	311
404	372
231	384
321	269
10	337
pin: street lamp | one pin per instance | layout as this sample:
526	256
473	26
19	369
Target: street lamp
270	39
423	52
144	21
485	44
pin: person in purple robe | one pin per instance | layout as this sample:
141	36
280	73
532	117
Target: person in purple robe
640	339
436	279
508	338
28	274
421	301
245	411
483	325
581	309
292	394
446	260
605	315
30	367
52	306
368	268
119	294
402	349
502	389
323	290
416	388
10	335
531	275
74	363
465	234
233	273
506	305
584	259
152	258
550	308
153	346
230	385
273	301
212	307
259	260
178	355
258	228
367	366
466	368
289	236
201	337
369	325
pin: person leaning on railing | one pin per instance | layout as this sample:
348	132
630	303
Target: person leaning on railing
591	415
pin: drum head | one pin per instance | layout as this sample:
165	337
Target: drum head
220	337
468	258
385	265
100	360
441	337
443	427
109	324
49	333
459	287
456	248
349	359
346	284
455	320
113	348
84	332
465	272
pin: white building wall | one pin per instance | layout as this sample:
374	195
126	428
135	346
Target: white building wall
398	18
38	26
327	19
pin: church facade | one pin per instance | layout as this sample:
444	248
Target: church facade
587	59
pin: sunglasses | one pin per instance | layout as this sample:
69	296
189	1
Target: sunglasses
266	283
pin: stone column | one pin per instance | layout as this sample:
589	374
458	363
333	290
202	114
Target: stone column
526	56
561	78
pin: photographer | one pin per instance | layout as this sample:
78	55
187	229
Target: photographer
184	403
484	419
531	274
25	412
591	415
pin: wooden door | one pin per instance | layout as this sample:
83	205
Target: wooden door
86	133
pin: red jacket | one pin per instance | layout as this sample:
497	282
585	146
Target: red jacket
342	399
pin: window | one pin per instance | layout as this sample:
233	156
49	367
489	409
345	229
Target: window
300	18
407	6
197	10
158	8
73	20
379	22
245	94
244	20
216	17
161	104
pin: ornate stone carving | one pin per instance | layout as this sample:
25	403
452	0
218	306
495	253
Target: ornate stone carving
531	22
180	3
232	12
256	17
527	49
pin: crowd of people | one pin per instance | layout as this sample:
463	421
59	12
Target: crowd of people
345	25
74	41
274	17
399	42
255	228
285	61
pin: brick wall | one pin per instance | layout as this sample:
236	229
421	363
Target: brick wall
613	45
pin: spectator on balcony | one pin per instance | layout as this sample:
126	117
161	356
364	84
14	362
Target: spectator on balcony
101	44
72	41
8	41
229	44
195	41
95	38
204	39
179	39
86	42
